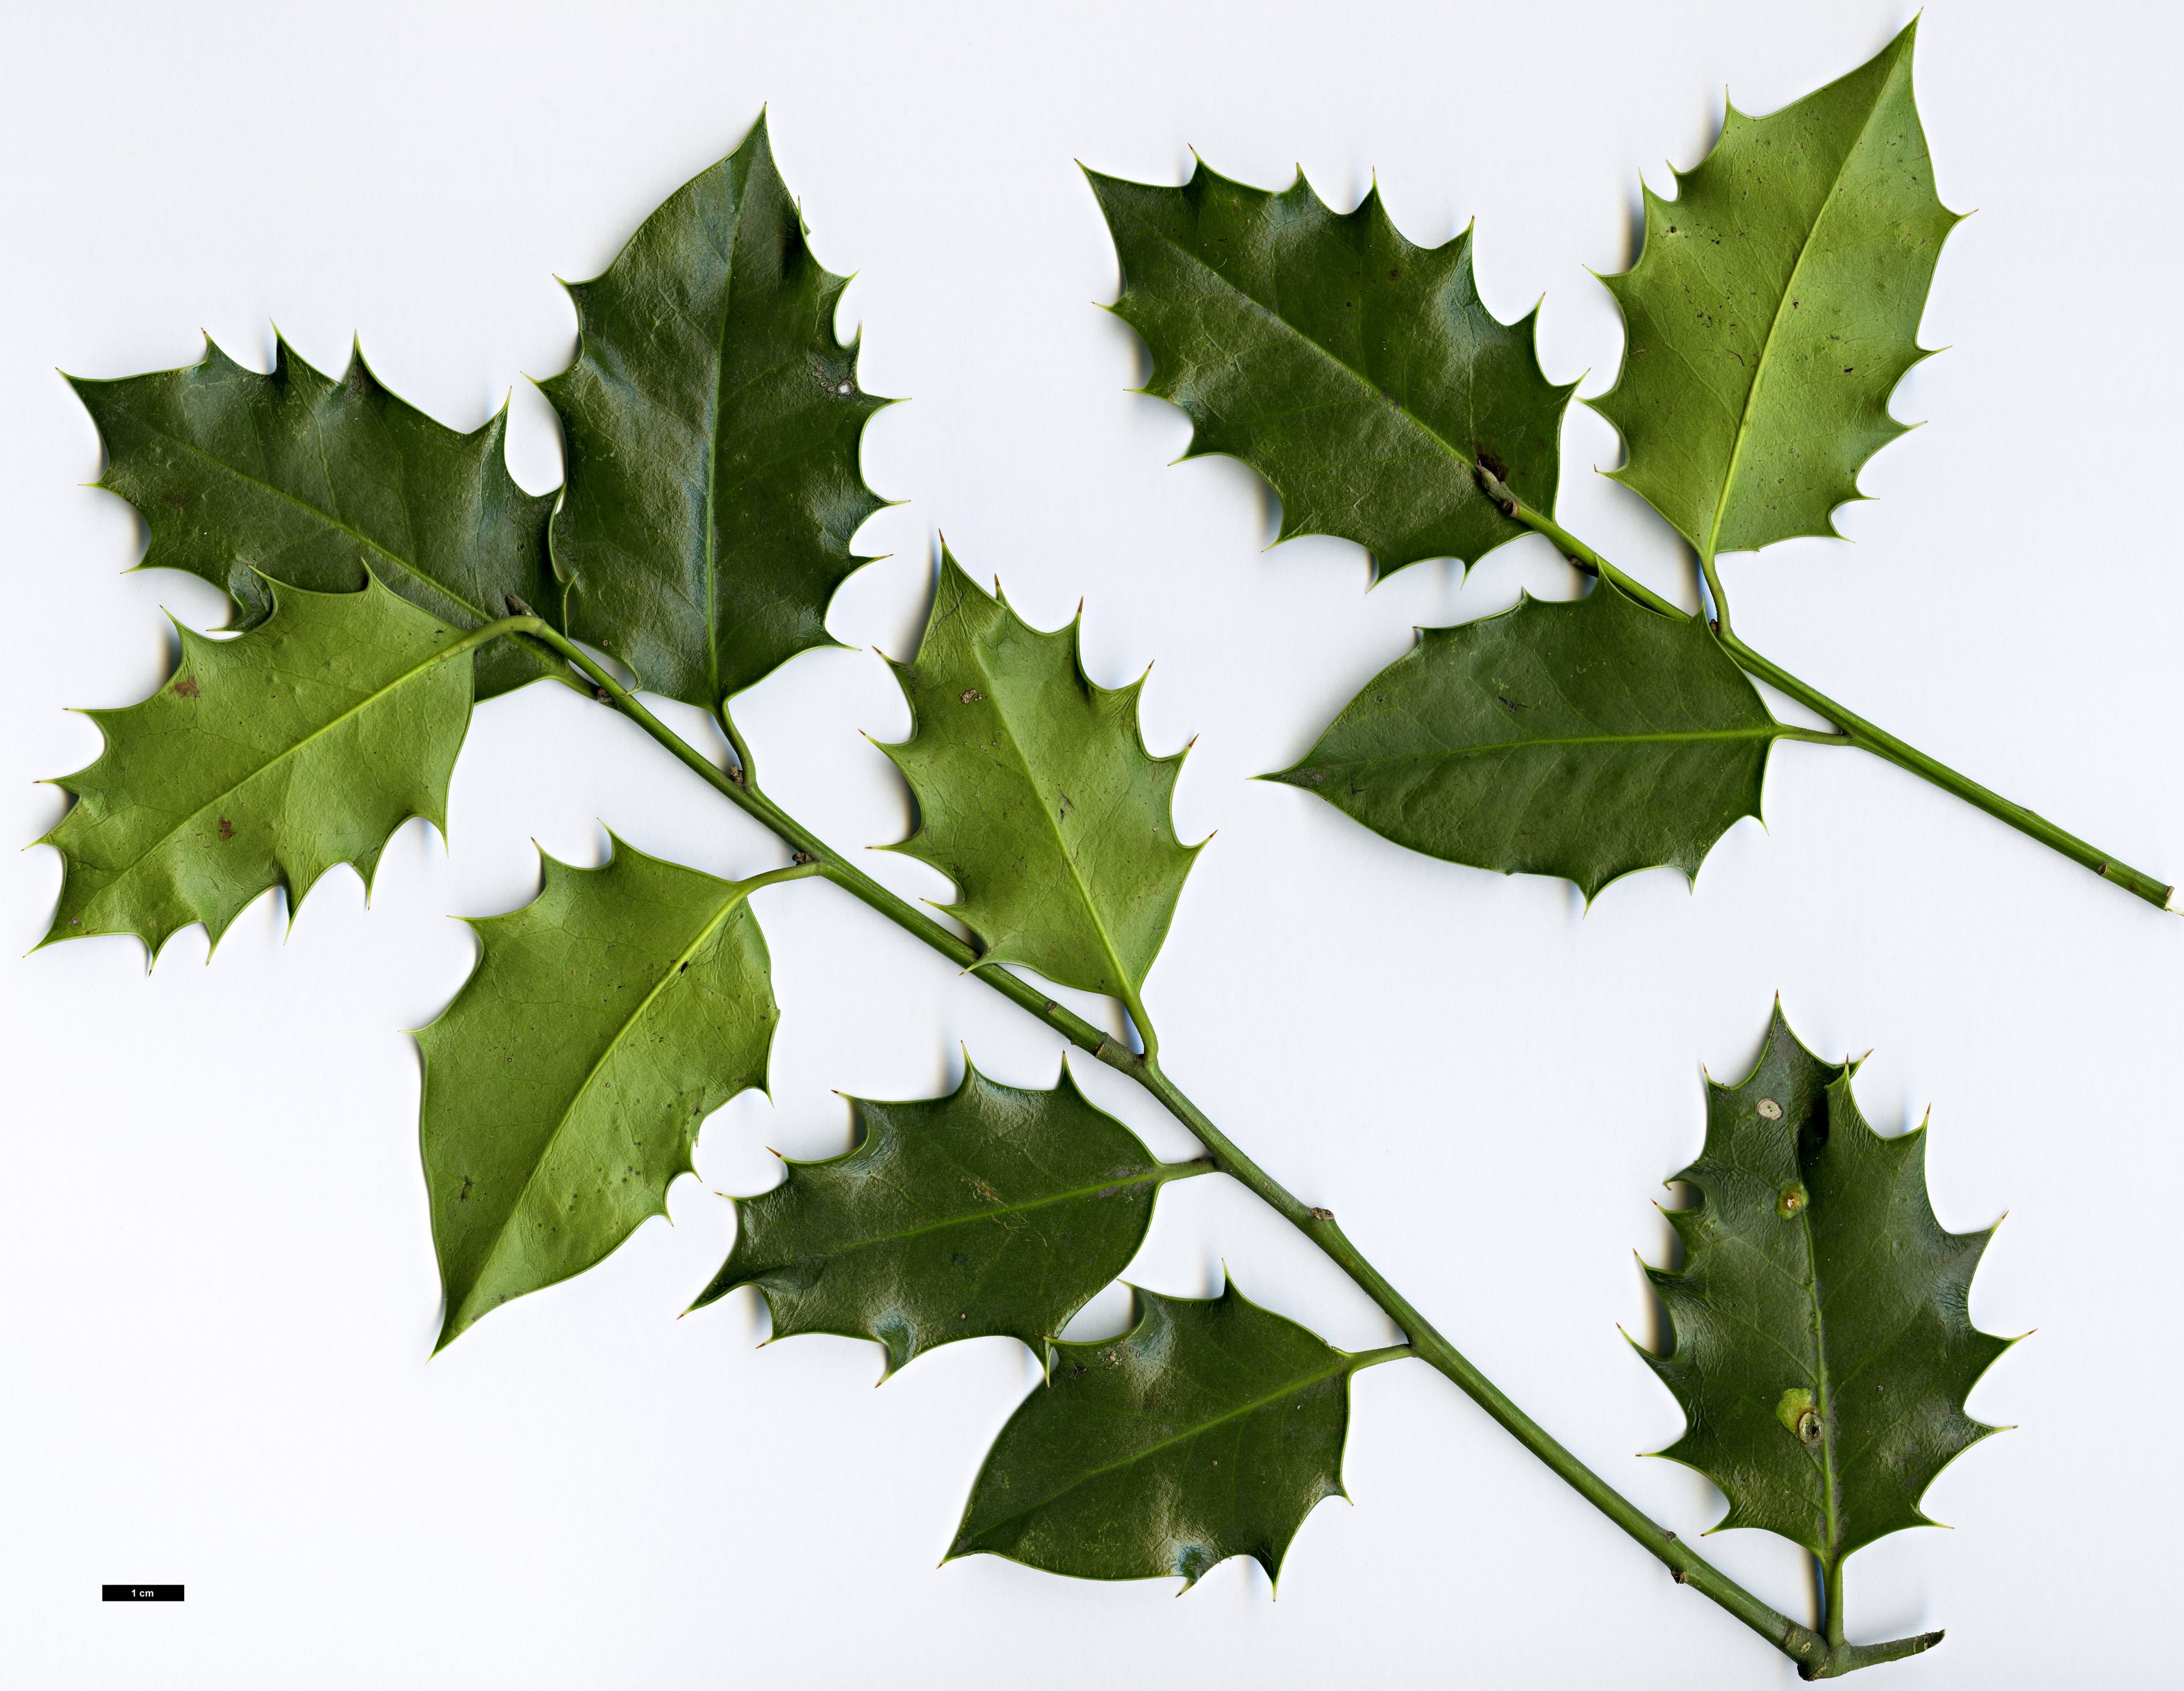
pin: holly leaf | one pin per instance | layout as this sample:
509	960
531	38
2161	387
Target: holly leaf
249	480
564	1084
1820	1342
1036	796
711	423
991	1211
1359	374
1211	1430
264	761
1774	308
1586	737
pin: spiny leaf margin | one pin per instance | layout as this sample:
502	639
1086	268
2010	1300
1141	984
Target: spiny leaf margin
707	342
642	971
281	786
1647	708
1002	715
296	478
1046	1496
1002	1211
1698	431
1360	375
1808	1409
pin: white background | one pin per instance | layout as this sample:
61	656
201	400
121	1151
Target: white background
217	1291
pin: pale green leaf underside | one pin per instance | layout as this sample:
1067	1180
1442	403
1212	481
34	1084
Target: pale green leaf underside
1037	797
248	480
264	761
1821	1347
564	1085
712	422
1586	738
1210	1429
1774	309
1360	375
994	1210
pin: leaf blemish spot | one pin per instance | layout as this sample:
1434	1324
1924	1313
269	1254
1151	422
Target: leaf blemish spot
1770	1109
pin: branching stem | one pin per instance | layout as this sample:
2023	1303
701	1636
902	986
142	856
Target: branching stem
1855	730
1815	1656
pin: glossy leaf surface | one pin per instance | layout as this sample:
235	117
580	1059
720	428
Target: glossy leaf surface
1359	374
247	480
1821	1347
712	422
1211	1430
1585	739
264	761
564	1085
1774	308
994	1210
1036	796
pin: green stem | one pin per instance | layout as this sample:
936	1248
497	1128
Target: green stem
1885	744
1855	729
1800	1643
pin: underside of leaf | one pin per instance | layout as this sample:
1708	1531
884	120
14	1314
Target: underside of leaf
991	1211
249	480
1210	1429
1821	1345
712	422
1774	309
1036	796
1586	738
564	1085
263	761
1360	375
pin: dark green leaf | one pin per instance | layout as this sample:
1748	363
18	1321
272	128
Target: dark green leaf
564	1085
247	480
1586	738
1774	308
1821	1345
1209	1431
1357	373
712	422
1037	796
992	1210
264	761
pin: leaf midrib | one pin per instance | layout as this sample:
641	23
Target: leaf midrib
1823	1396
407	568
1789	288
1488	747
1125	987
295	751
1156	1172
716	405
1147	1452
736	896
1371	388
